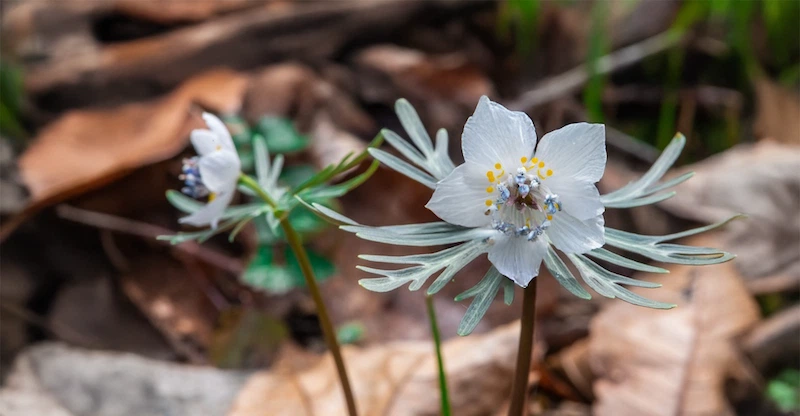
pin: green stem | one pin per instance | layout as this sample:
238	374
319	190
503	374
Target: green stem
251	183
519	389
296	244
437	342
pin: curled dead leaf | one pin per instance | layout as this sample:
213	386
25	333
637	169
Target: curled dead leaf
655	362
760	180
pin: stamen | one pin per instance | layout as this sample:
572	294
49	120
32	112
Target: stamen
538	231
552	203
521	177
503	227
505	193
194	186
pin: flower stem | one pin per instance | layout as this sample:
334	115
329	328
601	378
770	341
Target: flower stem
296	244
437	342
324	319
519	389
251	183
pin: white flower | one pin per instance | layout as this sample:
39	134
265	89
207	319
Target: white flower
519	215
530	198
214	173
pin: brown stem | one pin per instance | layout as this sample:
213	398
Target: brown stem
519	390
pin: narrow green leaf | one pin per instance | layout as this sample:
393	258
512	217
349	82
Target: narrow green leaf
562	274
403	167
483	292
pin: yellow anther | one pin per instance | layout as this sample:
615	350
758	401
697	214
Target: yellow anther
541	164
549	172
535	160
219	147
523	160
497	166
490	189
488	202
211	196
490	176
549	217
528	223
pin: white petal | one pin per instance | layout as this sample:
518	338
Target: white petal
571	235
205	141
517	258
218	127
220	170
577	151
211	213
495	134
461	197
578	198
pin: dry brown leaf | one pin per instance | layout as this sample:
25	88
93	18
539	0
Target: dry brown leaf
676	362
319	108
86	149
416	75
761	181
392	379
174	302
778	112
178	11
70	59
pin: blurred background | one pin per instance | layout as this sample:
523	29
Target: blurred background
97	99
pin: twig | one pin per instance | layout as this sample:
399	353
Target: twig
59	331
774	339
710	97
774	284
149	231
570	81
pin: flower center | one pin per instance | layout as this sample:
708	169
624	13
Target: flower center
520	203
193	183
